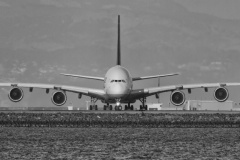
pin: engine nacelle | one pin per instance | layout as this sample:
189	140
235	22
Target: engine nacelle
59	98
221	94
15	94
177	98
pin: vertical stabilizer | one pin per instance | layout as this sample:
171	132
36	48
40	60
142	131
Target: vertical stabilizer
118	44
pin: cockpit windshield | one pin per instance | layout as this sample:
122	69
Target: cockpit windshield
118	81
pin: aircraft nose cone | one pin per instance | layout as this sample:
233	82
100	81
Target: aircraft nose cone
117	91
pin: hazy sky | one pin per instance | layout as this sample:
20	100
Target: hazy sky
41	38
221	8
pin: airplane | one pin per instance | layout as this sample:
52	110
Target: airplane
118	88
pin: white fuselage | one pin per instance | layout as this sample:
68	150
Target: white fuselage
118	83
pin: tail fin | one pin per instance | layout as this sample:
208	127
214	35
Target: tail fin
118	44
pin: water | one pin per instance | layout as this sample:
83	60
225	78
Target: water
119	143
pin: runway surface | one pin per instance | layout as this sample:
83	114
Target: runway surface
120	112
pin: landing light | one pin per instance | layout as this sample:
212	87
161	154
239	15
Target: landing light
118	103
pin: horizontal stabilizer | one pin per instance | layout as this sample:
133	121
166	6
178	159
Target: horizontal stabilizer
155	76
82	76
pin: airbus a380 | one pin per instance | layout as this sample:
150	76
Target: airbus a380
118	88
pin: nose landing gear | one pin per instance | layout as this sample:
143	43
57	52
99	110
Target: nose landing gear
118	106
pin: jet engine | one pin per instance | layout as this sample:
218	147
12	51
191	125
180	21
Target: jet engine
221	94
15	94
59	98
177	98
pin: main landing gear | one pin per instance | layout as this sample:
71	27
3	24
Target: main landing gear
143	106
107	107
93	106
129	107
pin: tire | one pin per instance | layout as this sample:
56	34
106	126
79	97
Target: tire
126	107
131	107
104	107
146	107
119	108
96	107
90	108
111	107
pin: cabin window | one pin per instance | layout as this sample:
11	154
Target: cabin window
112	81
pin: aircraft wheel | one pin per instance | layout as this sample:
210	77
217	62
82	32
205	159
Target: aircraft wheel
141	108
126	107
146	107
131	107
104	107
110	107
96	107
90	107
119	108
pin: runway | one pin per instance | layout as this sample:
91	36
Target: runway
122	112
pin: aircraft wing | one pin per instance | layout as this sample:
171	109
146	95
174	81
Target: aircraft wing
155	90
82	76
155	76
85	91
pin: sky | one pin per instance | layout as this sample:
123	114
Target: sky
41	38
228	9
